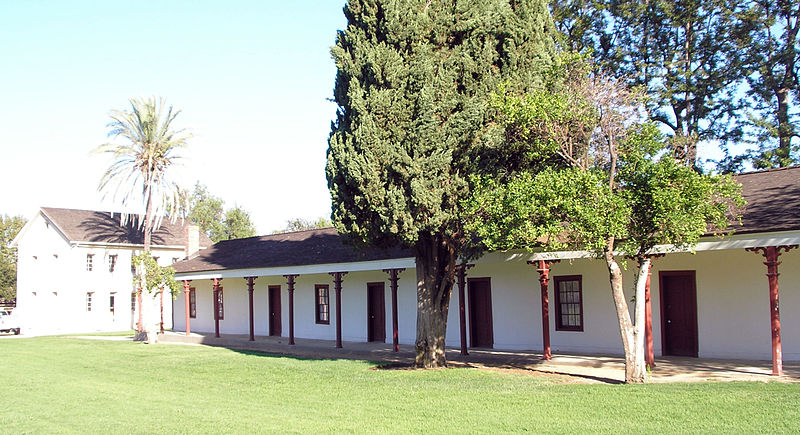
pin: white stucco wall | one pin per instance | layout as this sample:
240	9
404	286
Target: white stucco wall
732	304
53	280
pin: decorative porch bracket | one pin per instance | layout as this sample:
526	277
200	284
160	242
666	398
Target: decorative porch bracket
250	285
393	284
186	291
290	286
771	254
543	267
337	286
461	273
215	282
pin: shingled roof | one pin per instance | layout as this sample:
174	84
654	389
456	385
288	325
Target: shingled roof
90	226
773	204
773	200
320	246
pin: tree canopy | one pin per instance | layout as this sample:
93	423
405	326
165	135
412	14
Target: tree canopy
207	211
9	228
300	224
615	191
413	84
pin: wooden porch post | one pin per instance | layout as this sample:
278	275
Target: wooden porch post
186	291
461	272
771	254
216	281
543	267
337	286
250	284
393	285
290	286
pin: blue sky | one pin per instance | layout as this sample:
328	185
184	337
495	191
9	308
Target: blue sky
252	79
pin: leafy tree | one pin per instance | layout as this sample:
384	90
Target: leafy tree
413	87
139	173
682	53
615	193
237	224
300	224
767	33
206	211
9	228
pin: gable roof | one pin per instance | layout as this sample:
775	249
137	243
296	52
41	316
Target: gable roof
90	226
322	246
773	200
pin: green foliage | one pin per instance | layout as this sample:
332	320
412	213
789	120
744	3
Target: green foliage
766	33
205	210
237	224
300	224
9	228
413	86
625	189
155	276
683	54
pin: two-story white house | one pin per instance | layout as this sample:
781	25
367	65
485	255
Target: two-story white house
75	273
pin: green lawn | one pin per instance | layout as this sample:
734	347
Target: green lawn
67	384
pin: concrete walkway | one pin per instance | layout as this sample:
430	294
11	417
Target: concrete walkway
588	368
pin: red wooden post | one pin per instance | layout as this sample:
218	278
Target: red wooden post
543	267
216	281
393	285
771	254
337	286
186	291
290	286
250	284
461	272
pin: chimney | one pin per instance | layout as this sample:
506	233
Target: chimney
192	240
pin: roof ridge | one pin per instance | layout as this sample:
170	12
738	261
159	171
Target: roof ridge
764	171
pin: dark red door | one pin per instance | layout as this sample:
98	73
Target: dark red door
376	312
275	310
480	313
678	313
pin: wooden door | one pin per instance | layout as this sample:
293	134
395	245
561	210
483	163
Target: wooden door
480	313
376	312
678	313
275	310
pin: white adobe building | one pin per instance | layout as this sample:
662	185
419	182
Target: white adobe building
715	303
74	270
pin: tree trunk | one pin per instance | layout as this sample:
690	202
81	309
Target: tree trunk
640	366
785	132
632	375
436	260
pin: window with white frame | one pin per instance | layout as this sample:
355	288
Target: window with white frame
89	301
111	300
112	262
89	265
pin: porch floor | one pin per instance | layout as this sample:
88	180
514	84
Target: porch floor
591	368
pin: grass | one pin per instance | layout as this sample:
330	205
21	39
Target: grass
67	384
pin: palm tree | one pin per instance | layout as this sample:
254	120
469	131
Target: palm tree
138	176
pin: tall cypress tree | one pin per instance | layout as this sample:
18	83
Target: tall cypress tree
413	84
